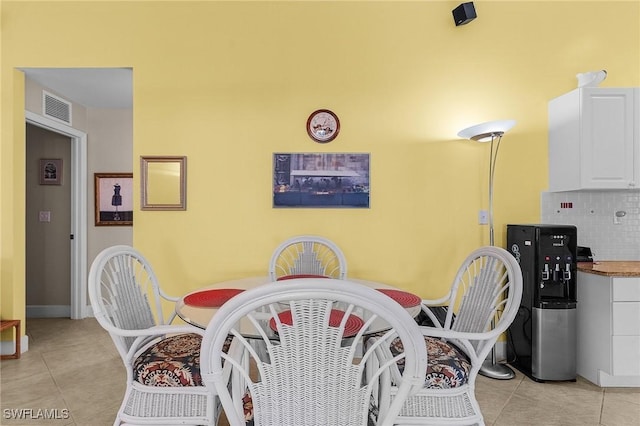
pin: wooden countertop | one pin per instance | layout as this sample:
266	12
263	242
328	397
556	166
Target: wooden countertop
612	268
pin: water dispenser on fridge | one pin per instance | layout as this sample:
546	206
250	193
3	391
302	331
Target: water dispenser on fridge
542	339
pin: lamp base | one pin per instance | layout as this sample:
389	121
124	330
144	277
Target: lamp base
496	371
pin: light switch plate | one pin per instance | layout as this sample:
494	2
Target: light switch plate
44	216
483	217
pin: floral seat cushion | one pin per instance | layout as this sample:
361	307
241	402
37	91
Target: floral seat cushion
173	361
447	366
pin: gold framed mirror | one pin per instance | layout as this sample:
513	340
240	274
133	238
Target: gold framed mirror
163	183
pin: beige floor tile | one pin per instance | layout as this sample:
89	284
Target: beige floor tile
493	395
524	411
621	407
73	364
564	393
27	392
65	334
579	401
72	359
492	404
29	364
102	416
38	408
631	395
101	394
508	385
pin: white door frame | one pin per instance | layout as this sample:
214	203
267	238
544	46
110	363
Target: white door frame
78	243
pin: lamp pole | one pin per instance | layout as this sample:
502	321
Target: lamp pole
491	131
493	156
491	368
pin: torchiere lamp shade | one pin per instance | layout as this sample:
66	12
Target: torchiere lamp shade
484	131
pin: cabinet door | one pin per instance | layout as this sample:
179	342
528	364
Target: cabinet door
607	139
626	353
594	351
626	289
626	319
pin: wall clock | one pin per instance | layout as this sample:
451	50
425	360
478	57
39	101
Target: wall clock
323	126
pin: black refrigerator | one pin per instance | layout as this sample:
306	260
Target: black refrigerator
541	341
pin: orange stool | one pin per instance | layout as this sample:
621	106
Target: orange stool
5	324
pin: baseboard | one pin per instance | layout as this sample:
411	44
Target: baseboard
89	311
607	380
48	311
8	347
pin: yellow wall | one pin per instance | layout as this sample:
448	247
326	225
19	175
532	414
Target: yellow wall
229	83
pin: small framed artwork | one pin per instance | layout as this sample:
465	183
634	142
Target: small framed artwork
114	199
51	171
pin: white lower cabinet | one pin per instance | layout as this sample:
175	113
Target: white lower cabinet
608	343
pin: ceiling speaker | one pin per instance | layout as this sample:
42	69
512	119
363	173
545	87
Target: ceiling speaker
464	13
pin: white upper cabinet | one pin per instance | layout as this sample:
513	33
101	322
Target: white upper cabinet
594	139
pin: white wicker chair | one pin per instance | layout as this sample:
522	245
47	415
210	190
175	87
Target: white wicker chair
307	255
308	373
488	286
163	378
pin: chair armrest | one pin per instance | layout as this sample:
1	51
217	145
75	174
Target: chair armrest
158	330
176	329
459	335
146	336
476	345
168	297
437	302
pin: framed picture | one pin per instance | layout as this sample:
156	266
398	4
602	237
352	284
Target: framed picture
51	171
114	199
317	180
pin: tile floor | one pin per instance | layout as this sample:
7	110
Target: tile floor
73	372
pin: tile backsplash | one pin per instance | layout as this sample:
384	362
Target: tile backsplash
607	221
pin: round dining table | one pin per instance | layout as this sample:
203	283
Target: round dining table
199	306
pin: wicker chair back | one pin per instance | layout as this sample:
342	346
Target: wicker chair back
309	366
481	304
163	384
307	255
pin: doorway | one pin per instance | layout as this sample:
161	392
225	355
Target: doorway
48	223
77	230
104	110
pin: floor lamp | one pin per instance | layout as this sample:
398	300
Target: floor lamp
492	132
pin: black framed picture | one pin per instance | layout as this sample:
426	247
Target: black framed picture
51	171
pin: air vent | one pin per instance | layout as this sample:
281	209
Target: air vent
56	108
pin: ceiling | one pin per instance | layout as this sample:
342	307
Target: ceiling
90	87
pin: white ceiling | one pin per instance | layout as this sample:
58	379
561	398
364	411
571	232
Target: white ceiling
91	87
